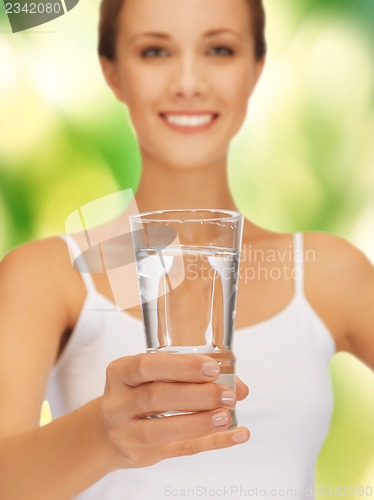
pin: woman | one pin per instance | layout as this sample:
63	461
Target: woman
186	71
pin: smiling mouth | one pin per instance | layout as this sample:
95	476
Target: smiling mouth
189	122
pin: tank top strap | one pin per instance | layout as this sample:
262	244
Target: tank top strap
298	257
76	252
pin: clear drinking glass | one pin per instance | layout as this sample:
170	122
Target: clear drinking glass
187	266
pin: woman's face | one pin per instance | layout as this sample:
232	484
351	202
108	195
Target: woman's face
185	69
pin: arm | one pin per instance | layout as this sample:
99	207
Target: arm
33	314
57	461
71	453
340	285
360	307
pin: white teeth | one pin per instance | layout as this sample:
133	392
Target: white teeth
189	120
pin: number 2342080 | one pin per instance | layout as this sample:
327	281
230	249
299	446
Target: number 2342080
33	8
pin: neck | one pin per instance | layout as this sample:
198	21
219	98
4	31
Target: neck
165	188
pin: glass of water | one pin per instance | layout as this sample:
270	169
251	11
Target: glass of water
187	266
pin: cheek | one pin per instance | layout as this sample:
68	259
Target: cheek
141	88
236	86
235	90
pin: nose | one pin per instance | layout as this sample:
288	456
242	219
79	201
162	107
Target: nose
187	79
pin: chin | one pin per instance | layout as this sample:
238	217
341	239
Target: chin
184	159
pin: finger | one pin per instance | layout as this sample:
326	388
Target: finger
242	389
157	397
143	368
164	430
215	441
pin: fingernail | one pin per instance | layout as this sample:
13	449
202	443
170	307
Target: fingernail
228	398
210	368
219	419
240	437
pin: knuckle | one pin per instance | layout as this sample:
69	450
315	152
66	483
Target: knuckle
118	369
139	456
111	370
135	458
152	395
217	393
191	447
215	441
140	365
211	395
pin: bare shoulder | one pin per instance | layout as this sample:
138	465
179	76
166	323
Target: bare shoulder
331	243
339	280
44	256
325	250
41	252
41	270
336	257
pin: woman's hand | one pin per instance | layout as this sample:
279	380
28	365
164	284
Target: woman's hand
139	386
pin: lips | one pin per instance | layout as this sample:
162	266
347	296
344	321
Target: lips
189	121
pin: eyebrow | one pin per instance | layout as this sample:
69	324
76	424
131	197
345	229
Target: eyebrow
165	36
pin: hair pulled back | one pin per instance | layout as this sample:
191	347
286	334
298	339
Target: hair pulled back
108	27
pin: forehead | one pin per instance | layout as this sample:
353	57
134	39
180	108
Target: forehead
184	18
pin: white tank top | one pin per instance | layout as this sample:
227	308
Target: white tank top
285	362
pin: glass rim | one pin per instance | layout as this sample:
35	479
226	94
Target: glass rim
233	215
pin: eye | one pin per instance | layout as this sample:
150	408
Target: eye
154	53
221	50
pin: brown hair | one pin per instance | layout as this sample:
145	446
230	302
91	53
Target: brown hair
108	25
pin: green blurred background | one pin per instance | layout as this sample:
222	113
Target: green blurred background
304	160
